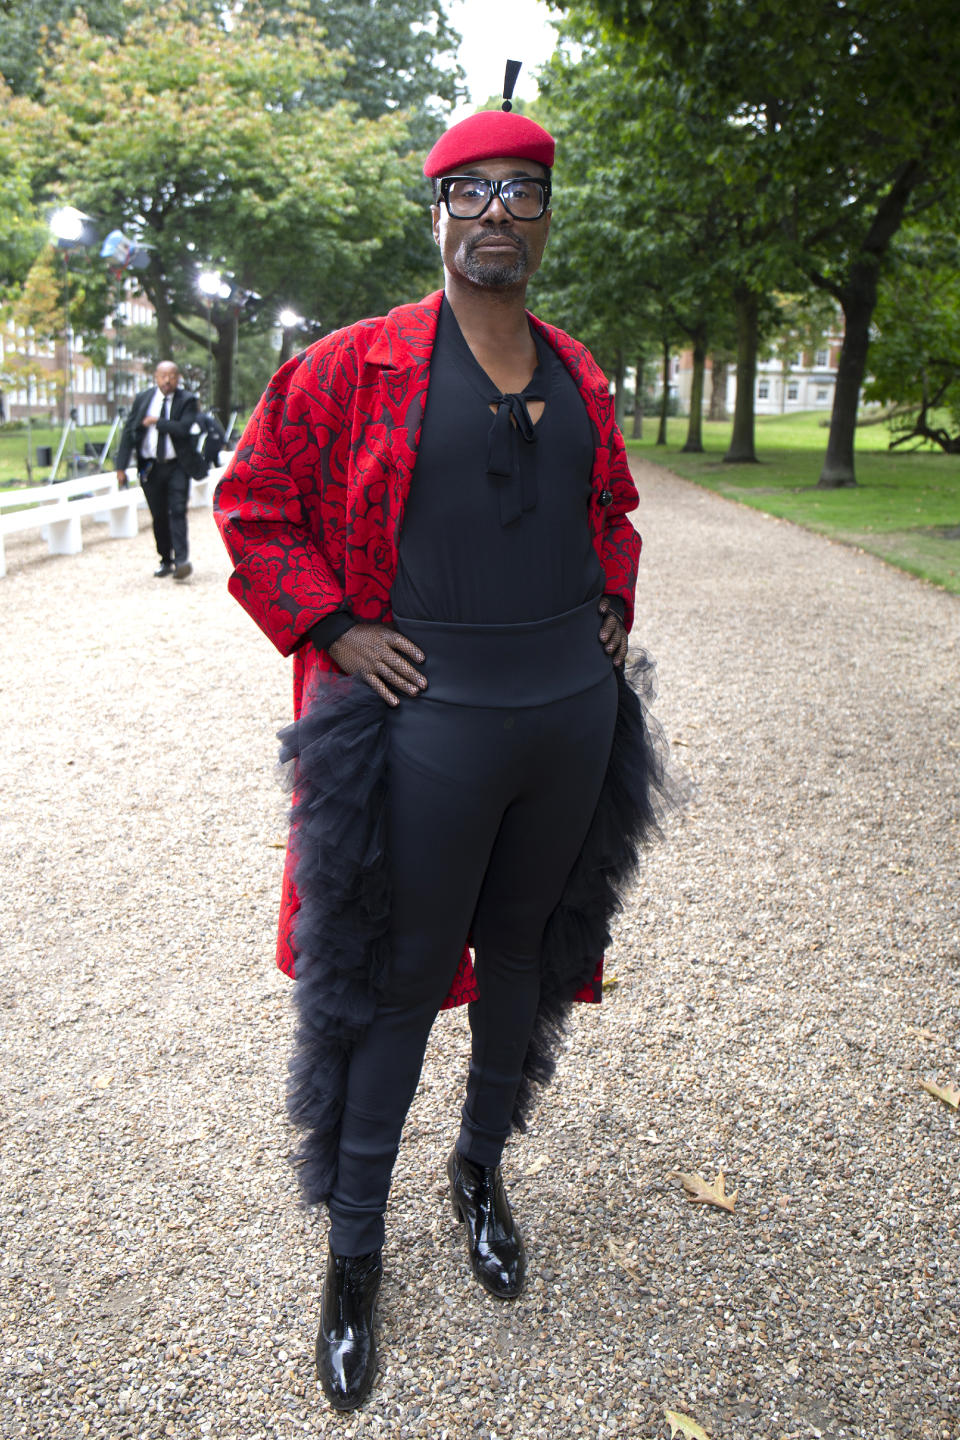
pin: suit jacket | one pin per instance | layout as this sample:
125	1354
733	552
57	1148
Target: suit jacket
311	504
184	413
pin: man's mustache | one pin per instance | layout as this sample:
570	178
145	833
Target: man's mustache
481	240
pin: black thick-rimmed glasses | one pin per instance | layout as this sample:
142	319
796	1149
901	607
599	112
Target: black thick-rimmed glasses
468	196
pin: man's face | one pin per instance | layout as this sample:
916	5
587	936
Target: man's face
166	378
494	251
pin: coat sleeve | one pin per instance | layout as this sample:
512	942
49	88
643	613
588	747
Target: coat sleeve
281	496
128	436
620	551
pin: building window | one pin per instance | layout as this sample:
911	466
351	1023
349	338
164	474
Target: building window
792	392
821	357
763	390
823	393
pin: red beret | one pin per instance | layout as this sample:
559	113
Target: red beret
489	135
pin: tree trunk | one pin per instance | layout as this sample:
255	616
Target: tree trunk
619	401
694	441
224	354
638	401
665	396
161	310
742	450
718	389
858	299
164	333
287	342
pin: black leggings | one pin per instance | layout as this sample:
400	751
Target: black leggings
489	806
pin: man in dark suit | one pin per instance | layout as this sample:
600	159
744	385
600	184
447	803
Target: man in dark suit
160	432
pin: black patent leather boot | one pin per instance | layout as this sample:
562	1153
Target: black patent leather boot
494	1243
346	1349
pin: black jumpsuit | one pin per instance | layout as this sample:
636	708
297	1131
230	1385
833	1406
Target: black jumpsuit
494	771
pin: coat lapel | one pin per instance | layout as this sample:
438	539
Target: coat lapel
391	394
595	392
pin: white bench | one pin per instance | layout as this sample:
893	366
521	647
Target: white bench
57	510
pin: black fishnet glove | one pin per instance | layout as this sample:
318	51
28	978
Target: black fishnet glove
381	656
613	634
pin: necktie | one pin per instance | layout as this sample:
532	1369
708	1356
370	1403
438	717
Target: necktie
162	439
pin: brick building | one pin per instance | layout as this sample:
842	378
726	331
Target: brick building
34	373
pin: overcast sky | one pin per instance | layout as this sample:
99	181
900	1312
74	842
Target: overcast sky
495	31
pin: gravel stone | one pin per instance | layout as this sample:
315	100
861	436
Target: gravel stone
786	975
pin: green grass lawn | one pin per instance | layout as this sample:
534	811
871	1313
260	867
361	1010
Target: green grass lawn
905	507
13	451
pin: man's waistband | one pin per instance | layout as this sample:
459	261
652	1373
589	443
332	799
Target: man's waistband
510	666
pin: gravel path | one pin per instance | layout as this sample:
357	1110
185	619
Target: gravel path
786	975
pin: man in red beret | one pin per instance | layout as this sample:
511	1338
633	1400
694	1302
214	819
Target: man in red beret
434	503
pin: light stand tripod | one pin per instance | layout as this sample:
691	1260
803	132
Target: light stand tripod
94	456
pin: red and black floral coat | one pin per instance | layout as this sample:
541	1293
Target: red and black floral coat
311	505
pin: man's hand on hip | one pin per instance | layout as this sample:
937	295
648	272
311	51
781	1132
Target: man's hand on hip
613	634
381	656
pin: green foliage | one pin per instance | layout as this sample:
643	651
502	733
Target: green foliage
22	233
915	356
658	223
203	143
829	124
28	31
395	55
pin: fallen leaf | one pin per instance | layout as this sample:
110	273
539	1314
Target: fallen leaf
701	1193
624	1261
276	844
100	1082
683	1425
948	1094
610	983
534	1168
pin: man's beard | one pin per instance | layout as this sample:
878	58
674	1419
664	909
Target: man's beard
493	274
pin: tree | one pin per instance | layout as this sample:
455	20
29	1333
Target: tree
21	229
658	220
915	357
29	31
852	113
199	142
394	55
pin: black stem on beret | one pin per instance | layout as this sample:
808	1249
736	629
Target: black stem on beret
509	80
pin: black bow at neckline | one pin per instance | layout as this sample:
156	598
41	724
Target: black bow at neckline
517	484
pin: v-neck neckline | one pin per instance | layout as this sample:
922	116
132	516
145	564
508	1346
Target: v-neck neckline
478	379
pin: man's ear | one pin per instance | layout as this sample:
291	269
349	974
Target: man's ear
435	213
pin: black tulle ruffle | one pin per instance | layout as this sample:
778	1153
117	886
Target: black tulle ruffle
339	752
337	755
632	802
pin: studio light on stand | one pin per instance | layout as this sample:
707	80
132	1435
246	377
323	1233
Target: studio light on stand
122	254
71	230
209	284
289	322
